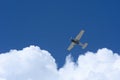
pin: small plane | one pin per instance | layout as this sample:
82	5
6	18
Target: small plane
76	41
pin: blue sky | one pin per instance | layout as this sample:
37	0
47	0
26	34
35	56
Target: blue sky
50	24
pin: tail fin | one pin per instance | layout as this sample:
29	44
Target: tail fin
84	46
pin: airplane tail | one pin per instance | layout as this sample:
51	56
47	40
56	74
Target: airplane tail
84	45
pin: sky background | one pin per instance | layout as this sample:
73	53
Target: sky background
50	24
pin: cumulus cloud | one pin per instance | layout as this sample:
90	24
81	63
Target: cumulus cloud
33	63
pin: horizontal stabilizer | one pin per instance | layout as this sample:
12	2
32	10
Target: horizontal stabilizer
84	46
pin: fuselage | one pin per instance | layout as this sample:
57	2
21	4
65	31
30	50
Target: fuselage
75	41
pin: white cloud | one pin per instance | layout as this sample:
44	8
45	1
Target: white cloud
32	63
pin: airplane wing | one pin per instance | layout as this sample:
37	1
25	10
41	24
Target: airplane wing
71	46
79	35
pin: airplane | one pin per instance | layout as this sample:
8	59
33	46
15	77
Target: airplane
76	41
